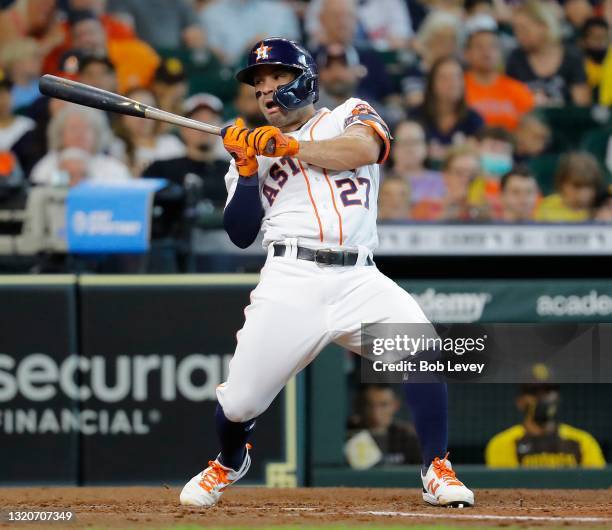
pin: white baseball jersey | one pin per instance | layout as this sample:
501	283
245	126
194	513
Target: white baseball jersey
320	207
312	304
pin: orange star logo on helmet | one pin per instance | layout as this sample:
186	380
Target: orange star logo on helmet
262	52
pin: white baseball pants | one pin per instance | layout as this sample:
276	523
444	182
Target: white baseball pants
298	308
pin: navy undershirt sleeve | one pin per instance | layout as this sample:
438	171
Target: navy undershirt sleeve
242	216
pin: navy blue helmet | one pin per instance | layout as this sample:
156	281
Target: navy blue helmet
304	89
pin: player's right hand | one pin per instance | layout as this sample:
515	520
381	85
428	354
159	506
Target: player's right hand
262	138
235	143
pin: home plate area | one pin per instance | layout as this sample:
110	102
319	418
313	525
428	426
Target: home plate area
243	507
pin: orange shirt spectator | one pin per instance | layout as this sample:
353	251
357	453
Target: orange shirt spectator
114	28
134	60
499	99
501	103
135	63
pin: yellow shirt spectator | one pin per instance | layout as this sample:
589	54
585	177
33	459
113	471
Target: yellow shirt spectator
552	210
577	181
566	447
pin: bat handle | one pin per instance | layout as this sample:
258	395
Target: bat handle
271	146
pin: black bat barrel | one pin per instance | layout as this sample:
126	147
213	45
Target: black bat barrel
68	90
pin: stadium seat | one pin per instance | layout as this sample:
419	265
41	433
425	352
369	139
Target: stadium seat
596	142
205	74
569	125
544	168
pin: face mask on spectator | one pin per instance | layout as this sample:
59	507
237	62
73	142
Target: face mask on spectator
496	164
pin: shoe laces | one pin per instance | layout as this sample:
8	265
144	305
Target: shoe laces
214	476
444	473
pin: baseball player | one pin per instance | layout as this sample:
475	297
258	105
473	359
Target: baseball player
314	197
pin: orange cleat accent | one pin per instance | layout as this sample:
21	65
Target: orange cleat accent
441	487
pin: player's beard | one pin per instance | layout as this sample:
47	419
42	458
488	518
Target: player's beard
288	121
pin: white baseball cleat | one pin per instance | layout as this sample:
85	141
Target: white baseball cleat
206	487
441	487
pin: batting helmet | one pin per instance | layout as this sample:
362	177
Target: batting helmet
304	89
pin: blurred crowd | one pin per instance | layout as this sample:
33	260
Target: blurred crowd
500	108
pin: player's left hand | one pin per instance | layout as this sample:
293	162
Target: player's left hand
284	145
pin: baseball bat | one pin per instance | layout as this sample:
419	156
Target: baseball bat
89	96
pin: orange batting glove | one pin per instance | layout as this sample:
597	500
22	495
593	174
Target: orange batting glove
270	141
235	143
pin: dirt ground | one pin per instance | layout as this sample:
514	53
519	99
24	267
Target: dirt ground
158	507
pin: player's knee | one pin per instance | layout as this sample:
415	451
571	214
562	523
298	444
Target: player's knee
241	408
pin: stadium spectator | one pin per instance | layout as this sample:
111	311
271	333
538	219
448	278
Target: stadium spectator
113	27
334	22
445	116
376	410
495	147
233	26
22	61
578	180
32	18
98	71
199	160
140	141
408	157
541	440
339	75
498	98
554	72
595	43
394	199
531	138
170	86
12	126
461	166
575	15
383	24
74	167
197	192
439	36
386	23
519	196
33	144
134	60
164	24
82	128
496	152
339	25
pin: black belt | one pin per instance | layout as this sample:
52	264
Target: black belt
323	256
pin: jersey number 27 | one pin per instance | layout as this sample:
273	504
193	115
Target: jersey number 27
349	190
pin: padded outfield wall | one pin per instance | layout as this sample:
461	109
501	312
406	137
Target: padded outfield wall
103	375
